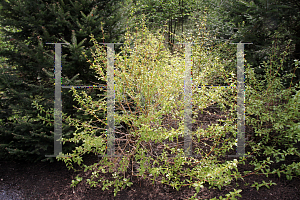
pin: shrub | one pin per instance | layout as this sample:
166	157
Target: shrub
273	115
149	79
148	85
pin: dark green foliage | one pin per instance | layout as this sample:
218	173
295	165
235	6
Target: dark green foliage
264	23
29	75
171	14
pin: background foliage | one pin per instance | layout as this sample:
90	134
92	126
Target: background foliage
272	84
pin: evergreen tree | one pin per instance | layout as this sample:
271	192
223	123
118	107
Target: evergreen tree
29	76
264	22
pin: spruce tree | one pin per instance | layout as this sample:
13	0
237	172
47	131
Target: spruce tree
29	76
266	23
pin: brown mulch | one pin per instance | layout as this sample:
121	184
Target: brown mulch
21	180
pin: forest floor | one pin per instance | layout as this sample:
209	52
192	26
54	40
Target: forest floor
21	180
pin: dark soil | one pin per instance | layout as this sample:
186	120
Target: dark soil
52	181
21	180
